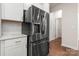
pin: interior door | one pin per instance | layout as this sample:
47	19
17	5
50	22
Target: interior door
58	27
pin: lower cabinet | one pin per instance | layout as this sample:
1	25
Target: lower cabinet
14	47
15	51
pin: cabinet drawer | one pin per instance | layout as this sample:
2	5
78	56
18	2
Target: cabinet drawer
14	42
16	51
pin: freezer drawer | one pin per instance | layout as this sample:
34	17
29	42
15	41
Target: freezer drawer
40	49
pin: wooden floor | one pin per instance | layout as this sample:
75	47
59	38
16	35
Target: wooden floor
55	49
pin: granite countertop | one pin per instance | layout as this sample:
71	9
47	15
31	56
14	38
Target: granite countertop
12	36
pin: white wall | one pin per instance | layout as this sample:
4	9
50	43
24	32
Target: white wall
58	27
58	20
9	27
46	7
55	24
52	28
27	5
69	24
78	25
0	27
78	20
0	19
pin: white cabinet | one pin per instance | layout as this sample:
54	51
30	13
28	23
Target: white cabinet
12	11
14	47
15	51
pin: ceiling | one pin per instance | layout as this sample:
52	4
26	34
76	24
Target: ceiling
52	5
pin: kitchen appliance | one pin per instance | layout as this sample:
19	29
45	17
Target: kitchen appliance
40	48
36	26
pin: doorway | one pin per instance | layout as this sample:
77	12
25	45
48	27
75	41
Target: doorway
58	28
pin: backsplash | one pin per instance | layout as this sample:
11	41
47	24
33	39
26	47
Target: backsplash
9	27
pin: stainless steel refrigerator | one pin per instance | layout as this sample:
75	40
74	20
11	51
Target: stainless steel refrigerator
36	26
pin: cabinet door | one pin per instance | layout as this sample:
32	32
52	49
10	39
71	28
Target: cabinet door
12	11
16	51
16	47
20	11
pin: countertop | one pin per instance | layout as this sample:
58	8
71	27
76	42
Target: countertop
12	36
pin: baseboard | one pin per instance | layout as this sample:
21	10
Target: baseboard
51	39
54	38
58	38
75	48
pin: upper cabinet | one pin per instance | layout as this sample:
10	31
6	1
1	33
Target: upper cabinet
12	11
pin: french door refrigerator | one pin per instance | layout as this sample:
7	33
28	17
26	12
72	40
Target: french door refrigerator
36	26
